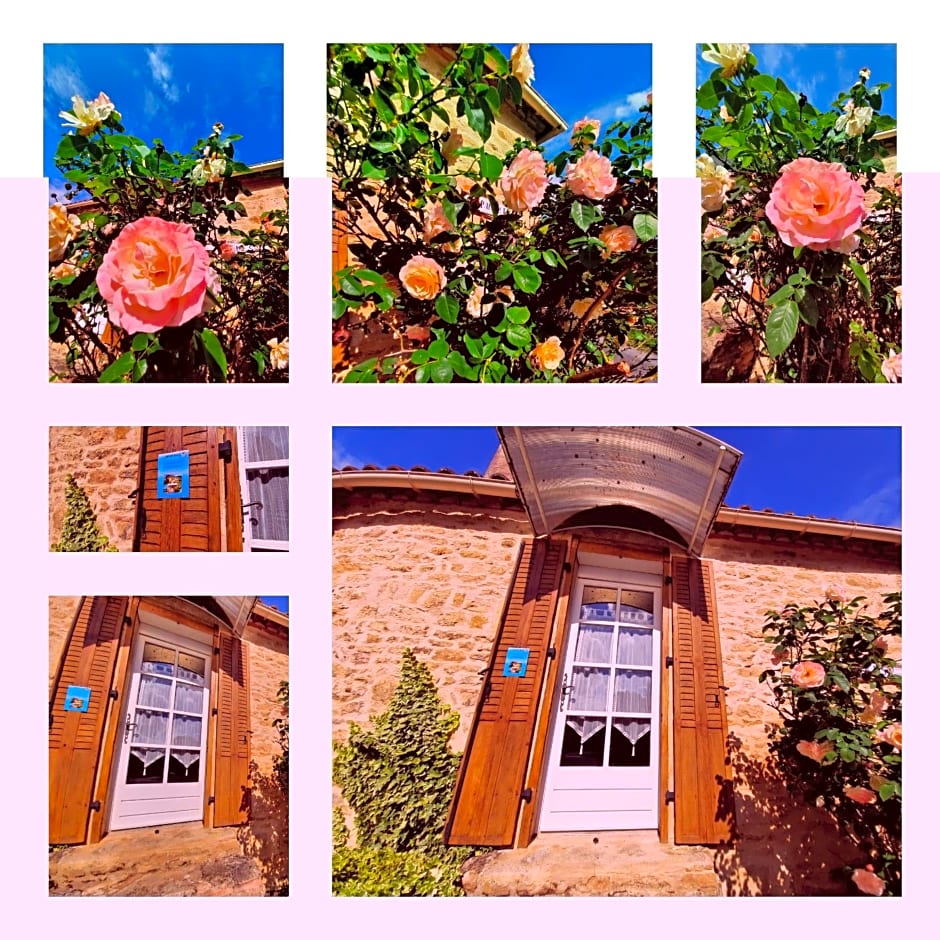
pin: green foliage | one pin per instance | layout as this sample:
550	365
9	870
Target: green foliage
398	778
750	125
118	179
838	693
80	532
387	149
282	726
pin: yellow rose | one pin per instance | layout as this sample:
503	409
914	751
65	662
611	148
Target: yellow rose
729	55
62	229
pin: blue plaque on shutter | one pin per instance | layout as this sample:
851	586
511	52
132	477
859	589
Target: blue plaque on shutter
77	698
517	661
173	475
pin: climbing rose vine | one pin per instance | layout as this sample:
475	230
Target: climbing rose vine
836	686
470	262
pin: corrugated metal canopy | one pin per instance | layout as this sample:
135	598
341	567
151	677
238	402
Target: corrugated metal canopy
667	482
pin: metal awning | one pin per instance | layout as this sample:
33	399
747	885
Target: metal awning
232	611
665	481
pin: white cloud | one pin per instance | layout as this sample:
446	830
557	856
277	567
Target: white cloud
882	507
619	108
344	458
162	72
65	81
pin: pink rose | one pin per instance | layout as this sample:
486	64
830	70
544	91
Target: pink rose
891	366
868	882
583	125
422	277
524	181
817	205
860	794
155	274
435	221
891	734
591	176
876	705
618	238
228	249
808	675
815	750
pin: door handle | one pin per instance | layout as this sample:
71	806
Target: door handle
128	725
566	688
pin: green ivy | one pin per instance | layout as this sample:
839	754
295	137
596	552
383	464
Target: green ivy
282	726
398	778
80	532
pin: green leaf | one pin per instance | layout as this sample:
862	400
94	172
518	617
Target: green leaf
779	296
706	98
708	288
438	349
197	208
474	347
645	227
141	341
447	308
518	315
764	83
441	371
519	336
526	278
420	356
215	355
118	369
490	167
847	754
863	279
781	327
583	214
372	172
383	106
809	310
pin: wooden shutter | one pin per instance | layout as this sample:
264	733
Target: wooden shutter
75	737
488	796
340	231
180	525
704	801
232	750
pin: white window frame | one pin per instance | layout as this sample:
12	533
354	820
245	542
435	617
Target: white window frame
249	543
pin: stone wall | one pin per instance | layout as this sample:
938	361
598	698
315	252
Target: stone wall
784	847
62	612
104	462
429	577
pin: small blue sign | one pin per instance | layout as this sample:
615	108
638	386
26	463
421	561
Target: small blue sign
517	661
173	475
77	698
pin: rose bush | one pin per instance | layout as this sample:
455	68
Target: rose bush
837	690
473	266
801	226
153	275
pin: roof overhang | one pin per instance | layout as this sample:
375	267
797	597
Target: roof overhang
668	482
230	611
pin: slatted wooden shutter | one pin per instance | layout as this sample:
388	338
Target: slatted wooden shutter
75	737
232	751
704	801
180	525
488	796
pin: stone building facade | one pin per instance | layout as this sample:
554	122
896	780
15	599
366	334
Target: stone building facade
125	753
426	561
238	497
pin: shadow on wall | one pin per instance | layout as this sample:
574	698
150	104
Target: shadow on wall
265	836
783	847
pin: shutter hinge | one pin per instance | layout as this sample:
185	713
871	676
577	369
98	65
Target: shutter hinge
95	805
670	796
225	451
566	566
668	579
113	695
215	712
527	794
670	661
550	652
211	800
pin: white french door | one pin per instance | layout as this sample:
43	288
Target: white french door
604	759
160	776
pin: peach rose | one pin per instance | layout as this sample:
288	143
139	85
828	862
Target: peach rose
617	238
815	750
524	181
422	277
228	249
155	274
523	68
548	355
808	675
860	794
435	221
872	711
63	227
585	124
729	55
817	205
591	176
837	592
280	352
891	734
87	116
868	882
716	181
891	366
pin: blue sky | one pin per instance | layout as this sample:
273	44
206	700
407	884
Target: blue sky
276	600
822	70
174	92
596	80
852	474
